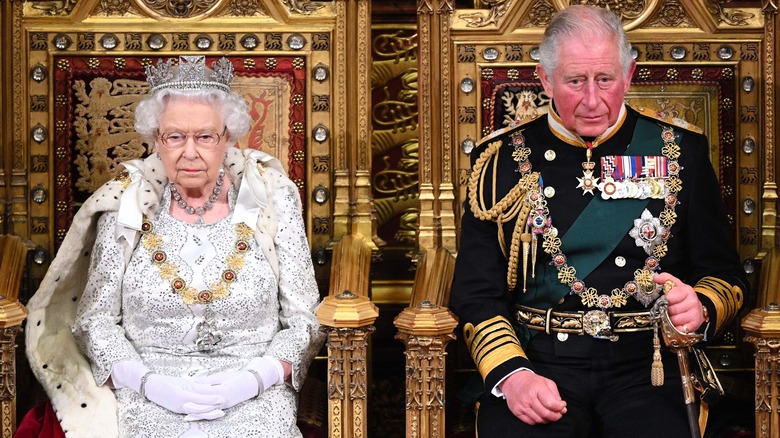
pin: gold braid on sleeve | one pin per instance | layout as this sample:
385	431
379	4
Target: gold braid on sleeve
513	205
727	298
492	343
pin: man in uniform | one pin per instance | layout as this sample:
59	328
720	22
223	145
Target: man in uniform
574	222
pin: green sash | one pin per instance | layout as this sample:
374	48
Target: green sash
597	230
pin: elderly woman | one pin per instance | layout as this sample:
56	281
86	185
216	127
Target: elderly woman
193	281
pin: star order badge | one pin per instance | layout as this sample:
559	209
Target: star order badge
587	183
647	232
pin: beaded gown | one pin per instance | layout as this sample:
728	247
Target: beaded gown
134	313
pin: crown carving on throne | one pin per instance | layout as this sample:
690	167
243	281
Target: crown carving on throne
190	74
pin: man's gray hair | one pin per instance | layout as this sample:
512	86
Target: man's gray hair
583	22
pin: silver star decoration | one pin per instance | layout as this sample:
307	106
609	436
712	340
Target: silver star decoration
647	232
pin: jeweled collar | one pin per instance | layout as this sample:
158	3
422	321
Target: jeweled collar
556	126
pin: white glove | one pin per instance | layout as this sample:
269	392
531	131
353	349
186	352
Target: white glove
128	374
233	386
238	386
183	396
267	370
173	393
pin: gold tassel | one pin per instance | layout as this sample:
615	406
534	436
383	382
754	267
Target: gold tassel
657	370
526	238
534	245
704	413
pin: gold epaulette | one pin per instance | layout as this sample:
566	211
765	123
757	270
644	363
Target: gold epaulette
726	298
492	343
680	123
509	128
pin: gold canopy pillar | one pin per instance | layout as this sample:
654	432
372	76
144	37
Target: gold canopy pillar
353	205
13	253
437	191
769	236
347	316
426	329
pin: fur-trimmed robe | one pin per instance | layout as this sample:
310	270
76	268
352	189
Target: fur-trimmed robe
83	408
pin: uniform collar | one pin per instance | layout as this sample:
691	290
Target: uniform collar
556	126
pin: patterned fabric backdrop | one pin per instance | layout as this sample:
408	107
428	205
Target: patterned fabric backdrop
94	115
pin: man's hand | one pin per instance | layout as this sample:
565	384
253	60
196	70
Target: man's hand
685	309
532	398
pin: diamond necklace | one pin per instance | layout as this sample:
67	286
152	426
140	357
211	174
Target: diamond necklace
200	211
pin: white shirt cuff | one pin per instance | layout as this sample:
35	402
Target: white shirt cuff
497	392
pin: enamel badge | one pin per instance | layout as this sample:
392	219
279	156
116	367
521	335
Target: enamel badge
647	232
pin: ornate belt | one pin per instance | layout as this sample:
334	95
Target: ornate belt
597	323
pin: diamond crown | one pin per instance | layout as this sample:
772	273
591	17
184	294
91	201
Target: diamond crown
192	74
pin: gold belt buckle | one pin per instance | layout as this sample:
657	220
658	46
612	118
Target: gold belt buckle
596	324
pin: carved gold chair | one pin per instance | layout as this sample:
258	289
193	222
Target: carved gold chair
13	256
347	315
425	328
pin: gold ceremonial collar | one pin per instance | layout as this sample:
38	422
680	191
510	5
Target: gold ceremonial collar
556	126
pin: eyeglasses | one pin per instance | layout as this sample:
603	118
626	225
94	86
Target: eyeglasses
203	139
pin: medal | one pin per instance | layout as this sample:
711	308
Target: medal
635	177
587	183
648	232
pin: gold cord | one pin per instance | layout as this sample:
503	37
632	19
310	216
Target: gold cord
511	206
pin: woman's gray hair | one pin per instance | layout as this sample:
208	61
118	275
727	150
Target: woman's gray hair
234	109
583	22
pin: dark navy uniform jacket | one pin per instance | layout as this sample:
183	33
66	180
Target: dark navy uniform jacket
700	250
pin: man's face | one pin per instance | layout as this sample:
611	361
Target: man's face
588	85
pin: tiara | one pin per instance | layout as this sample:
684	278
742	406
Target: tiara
192	74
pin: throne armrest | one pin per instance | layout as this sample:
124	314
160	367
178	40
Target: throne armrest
426	327
13	254
347	316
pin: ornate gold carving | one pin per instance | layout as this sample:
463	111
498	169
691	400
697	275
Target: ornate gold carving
39	225
736	17
497	9
179	8
539	14
425	371
304	7
347	372
426	329
671	14
246	8
8	362
627	10
363	89
17	78
769	190
113	7
51	8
